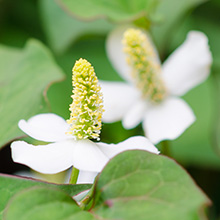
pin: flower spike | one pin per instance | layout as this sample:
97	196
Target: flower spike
86	108
143	60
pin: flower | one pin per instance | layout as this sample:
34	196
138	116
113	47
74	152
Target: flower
151	93
69	140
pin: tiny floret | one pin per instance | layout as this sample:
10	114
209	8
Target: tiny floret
86	108
146	69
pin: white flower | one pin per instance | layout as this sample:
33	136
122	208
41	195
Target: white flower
186	67
70	139
87	156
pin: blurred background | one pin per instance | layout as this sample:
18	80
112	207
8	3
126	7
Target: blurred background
68	35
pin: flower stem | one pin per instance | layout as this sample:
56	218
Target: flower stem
85	201
165	148
74	175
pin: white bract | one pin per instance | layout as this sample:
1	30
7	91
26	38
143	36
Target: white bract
87	156
70	144
168	118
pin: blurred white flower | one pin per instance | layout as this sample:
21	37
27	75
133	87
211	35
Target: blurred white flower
87	156
186	67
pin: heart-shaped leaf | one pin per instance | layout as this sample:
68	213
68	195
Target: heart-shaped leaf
25	76
133	185
115	10
10	185
62	29
140	185
44	203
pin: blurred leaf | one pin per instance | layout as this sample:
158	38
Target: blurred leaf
10	185
115	10
25	77
44	203
171	13
62	29
140	185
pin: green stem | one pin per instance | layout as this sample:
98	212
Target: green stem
85	201
74	175
165	148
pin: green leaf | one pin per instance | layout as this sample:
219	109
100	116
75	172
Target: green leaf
115	10
171	13
140	185
10	185
133	185
62	29
44	203
25	76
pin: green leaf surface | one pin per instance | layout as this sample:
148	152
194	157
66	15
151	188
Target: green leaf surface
62	29
44	203
10	185
140	185
115	10
133	185
25	76
171	13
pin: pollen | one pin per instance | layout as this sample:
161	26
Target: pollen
142	58
87	107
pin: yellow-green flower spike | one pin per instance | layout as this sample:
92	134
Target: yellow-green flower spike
87	108
144	63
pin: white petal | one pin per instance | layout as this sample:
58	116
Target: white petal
88	157
133	143
167	120
114	48
118	98
86	177
45	127
188	65
48	159
135	114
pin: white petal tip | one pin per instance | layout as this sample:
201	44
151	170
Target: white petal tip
47	159
21	124
132	143
189	65
168	120
176	135
46	127
197	35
